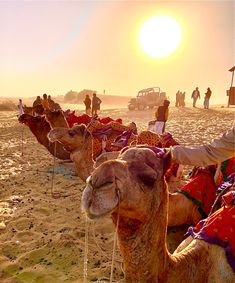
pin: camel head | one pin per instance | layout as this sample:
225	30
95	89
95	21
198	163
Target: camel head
129	185
71	139
35	122
56	118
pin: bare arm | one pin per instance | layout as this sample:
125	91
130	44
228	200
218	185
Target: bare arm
217	151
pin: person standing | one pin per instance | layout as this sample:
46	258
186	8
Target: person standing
182	99
161	117
20	107
45	102
37	101
177	98
95	104
195	96
87	103
207	98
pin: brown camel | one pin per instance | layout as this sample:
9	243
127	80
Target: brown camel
56	118
133	191
80	143
40	128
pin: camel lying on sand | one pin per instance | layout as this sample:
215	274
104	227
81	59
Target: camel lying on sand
85	147
56	119
40	128
80	143
133	191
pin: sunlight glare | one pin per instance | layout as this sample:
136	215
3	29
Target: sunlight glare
160	36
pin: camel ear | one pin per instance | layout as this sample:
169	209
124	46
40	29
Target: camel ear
143	172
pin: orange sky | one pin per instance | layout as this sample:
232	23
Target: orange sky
54	47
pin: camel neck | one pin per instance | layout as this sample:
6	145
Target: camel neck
82	158
144	251
41	133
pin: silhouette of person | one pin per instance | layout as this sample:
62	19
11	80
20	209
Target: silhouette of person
87	103
207	98
95	104
45	102
195	96
161	117
20	107
177	98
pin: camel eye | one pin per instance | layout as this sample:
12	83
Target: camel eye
71	134
98	186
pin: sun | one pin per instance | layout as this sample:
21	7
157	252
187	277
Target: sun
160	36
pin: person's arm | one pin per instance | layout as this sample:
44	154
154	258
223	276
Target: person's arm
156	113
217	151
166	114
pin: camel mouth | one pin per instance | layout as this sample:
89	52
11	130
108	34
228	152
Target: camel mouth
51	137
110	200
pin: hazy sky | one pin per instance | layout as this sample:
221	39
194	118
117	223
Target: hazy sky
57	46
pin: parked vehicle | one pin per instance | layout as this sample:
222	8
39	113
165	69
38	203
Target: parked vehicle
147	98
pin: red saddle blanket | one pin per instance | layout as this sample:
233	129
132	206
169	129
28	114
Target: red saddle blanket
202	191
202	188
219	229
86	119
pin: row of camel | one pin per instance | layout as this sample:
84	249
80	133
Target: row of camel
77	144
122	174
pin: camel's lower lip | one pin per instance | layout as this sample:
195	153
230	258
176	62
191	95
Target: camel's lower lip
52	140
98	216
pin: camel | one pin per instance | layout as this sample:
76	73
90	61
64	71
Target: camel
133	191
73	138
56	118
40	128
79	142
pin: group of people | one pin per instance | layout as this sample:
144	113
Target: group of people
162	113
180	99
92	106
46	102
196	95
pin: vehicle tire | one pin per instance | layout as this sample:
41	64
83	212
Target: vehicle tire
131	107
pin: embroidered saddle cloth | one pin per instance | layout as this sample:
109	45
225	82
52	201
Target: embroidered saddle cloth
219	228
202	188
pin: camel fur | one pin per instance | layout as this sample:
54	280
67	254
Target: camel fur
56	118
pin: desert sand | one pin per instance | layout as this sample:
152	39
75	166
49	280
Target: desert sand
42	227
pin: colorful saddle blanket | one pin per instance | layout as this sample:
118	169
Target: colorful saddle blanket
103	135
86	119
219	228
202	188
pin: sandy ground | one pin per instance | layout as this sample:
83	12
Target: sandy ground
42	228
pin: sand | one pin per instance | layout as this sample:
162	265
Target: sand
42	228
